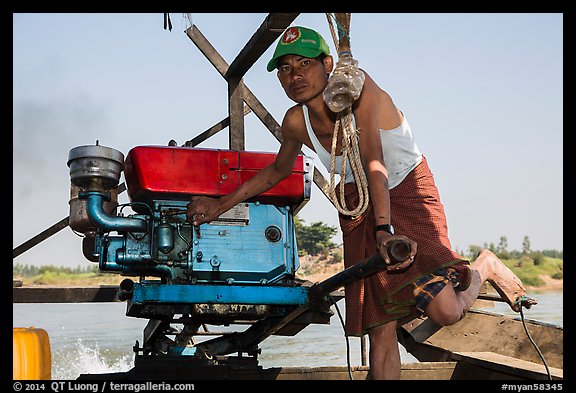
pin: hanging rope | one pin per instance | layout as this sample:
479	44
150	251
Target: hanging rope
343	26
350	151
335	97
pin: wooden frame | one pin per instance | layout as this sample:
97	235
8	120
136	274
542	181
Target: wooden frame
241	101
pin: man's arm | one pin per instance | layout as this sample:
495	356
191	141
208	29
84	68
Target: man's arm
373	108
368	113
205	209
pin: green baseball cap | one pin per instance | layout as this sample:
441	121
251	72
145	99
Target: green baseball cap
301	41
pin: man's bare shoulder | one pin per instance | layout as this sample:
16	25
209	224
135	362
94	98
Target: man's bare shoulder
293	125
293	119
374	96
371	86
293	113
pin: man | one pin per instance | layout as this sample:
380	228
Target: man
404	204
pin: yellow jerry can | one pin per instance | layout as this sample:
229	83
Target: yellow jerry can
31	357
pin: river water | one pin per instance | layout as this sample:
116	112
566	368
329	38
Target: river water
93	338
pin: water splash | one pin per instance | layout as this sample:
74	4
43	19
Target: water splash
69	362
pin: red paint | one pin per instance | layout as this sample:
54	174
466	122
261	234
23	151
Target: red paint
177	173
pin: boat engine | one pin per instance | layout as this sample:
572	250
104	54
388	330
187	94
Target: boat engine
239	268
251	244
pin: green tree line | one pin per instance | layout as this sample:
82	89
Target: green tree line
31	271
313	239
501	250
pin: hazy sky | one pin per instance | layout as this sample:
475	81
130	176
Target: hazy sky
483	93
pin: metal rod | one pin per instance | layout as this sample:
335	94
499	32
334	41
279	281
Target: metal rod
495	298
363	350
356	272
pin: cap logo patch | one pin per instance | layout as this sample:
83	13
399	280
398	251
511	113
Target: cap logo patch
290	35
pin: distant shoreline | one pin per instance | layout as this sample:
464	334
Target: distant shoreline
549	286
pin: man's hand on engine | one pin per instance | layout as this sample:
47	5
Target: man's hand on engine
202	209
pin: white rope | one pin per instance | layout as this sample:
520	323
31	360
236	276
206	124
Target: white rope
349	149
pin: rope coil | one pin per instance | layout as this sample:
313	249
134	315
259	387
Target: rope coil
349	148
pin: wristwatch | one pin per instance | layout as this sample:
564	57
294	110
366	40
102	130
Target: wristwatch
384	227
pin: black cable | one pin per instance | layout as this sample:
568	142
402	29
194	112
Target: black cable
123	205
532	341
347	341
167	22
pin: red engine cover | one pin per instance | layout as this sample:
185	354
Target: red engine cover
166	172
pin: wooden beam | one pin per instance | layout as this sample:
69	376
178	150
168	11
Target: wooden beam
236	137
261	113
49	294
45	234
507	365
207	50
184	369
272	27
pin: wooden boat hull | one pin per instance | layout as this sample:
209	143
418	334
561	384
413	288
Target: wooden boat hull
495	343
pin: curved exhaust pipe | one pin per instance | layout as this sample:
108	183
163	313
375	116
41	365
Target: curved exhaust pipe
105	222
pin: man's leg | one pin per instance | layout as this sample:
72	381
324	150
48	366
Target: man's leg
449	306
384	352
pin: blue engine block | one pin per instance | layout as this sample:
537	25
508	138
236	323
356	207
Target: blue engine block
251	244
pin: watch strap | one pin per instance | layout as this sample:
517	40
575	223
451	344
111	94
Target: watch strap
384	227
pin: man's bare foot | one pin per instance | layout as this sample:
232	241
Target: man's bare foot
506	283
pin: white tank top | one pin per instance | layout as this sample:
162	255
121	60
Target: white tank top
400	152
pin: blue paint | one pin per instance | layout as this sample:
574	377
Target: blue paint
154	292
